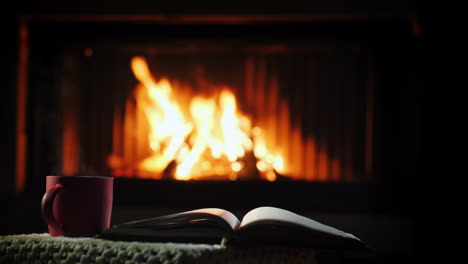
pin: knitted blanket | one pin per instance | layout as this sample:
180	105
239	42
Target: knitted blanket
41	248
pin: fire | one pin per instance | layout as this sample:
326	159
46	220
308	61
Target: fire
167	125
210	138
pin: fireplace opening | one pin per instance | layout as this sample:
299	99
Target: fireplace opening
202	103
214	113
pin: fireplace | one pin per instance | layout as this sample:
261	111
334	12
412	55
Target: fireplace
276	109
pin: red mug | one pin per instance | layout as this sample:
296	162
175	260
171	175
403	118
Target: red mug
77	206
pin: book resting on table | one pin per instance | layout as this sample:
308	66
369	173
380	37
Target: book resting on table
262	226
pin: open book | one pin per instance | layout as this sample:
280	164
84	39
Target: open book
262	226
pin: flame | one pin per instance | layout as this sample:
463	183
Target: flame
211	138
168	128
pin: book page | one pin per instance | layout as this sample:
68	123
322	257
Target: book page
218	216
207	225
278	215
229	217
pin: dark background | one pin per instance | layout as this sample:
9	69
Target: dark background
397	235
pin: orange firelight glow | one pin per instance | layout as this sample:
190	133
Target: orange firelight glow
209	139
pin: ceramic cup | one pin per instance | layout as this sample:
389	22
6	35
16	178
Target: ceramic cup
77	206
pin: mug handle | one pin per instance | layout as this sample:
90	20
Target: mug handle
47	207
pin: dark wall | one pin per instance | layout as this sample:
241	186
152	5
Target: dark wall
8	47
387	7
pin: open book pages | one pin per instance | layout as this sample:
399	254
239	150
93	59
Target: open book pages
268	214
262	226
229	217
214	215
